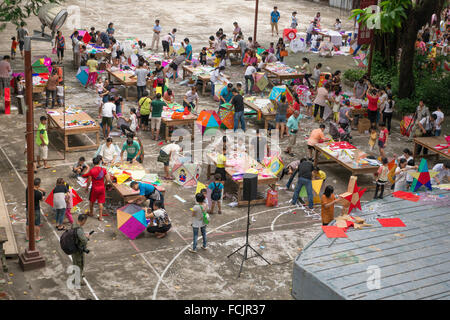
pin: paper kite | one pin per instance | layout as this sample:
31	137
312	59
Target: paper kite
261	82
422	177
334	232
353	195
274	164
186	174
391	222
131	220
207	120
279	91
76	199
316	186
226	115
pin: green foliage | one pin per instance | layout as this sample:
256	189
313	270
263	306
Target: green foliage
353	75
16	11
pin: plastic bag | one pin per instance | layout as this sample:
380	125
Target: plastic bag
272	198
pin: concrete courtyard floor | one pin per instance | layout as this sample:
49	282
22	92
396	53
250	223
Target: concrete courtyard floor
150	268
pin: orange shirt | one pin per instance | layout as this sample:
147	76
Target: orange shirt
327	213
315	136
14	44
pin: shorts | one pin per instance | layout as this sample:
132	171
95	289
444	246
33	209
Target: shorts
165	45
280	118
174	66
372	115
310	147
107	121
43	152
155	123
144	119
37	217
21	44
162	229
292	140
222	173
164	158
13	52
97	195
381	144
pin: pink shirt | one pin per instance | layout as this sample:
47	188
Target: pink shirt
5	69
321	97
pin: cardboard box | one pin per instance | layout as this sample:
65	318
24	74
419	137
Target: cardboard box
363	125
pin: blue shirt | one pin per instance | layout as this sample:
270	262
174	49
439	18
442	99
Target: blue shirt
145	189
226	94
275	16
189	52
213	185
157	28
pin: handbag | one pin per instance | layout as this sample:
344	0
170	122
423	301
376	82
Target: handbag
284	53
54	51
205	216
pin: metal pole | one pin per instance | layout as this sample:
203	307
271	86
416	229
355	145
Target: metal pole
256	21
30	143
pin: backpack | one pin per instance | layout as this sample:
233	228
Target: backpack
216	193
205	216
68	241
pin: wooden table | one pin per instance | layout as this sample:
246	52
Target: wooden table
3	239
267	116
206	78
430	143
262	181
281	76
125	79
168	122
237	52
355	170
56	122
344	36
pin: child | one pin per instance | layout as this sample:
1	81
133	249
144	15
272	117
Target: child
271	48
240	89
382	177
240	147
69	204
319	174
327	205
80	167
401	173
60	94
14	44
205	193
59	202
409	178
336	104
202	56
216	194
373	137
130	124
382	140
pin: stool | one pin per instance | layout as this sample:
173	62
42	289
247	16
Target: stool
3	239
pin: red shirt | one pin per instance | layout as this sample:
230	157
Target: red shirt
383	135
373	103
98	174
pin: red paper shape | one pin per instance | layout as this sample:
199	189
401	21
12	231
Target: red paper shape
391	222
406	196
355	198
334	232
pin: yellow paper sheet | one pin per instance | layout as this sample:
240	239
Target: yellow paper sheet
121	178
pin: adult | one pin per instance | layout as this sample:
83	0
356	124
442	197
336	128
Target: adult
238	104
309	32
188	49
274	18
189	98
305	169
60	46
109	152
248	76
321	101
345	118
439	120
290	169
146	192
160	222
42	142
166	42
39	195
93	35
443	170
5	74
316	74
141	74
372	107
199	221
76	45
359	89
22	32
422	112
97	177
92	64
81	240
157	108
217	77
133	150
166	154
175	64
292	126
156	32
237	30
118	101
144	110
159	76
426	126
280	117
387	109
103	39
315	137
306	69
107	111
50	88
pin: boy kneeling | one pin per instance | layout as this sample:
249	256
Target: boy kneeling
160	222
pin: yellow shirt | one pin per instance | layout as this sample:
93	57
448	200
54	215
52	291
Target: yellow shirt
92	64
221	159
322	175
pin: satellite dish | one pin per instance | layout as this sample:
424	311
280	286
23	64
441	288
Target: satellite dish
52	16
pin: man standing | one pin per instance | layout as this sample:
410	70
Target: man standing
97	176
39	195
141	83
107	112
156	32
81	242
5	74
157	108
146	192
305	170
238	104
292	125
188	49
21	34
274	17
76	50
42	142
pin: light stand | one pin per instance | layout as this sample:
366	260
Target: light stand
246	246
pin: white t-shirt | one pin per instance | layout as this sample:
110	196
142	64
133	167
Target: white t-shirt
442	172
191	97
133	124
109	153
108	109
60	91
250	70
440	116
426	124
173	147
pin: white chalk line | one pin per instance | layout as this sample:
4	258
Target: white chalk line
48	223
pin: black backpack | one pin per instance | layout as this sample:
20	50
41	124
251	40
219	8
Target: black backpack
216	193
68	241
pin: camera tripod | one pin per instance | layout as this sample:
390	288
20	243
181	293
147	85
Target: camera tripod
246	246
